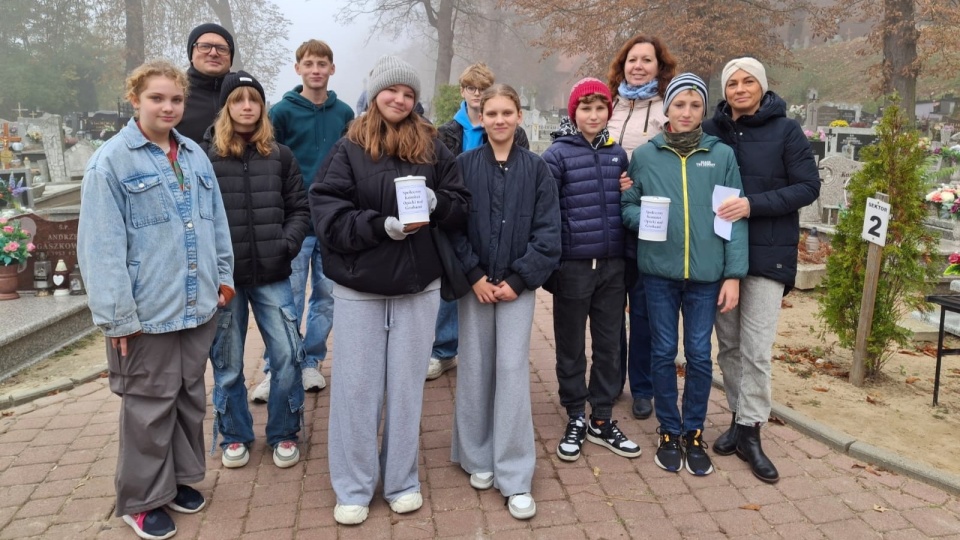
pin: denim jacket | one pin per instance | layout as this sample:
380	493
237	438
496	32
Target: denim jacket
153	255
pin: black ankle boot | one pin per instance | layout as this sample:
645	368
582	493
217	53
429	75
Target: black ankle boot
749	450
726	443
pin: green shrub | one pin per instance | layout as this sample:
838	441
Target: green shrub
895	166
446	103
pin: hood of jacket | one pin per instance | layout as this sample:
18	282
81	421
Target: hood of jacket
294	97
771	106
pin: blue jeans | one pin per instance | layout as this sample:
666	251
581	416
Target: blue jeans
635	355
666	299
319	308
446	334
272	306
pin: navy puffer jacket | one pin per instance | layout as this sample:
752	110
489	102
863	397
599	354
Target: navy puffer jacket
589	186
779	178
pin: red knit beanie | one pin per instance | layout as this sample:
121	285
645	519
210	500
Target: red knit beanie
586	87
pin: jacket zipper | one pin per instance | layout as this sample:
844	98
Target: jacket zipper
603	200
623	130
254	258
686	210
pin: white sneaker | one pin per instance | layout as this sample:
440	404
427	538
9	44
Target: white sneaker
438	367
407	503
313	380
350	514
481	480
261	393
235	455
286	454
522	506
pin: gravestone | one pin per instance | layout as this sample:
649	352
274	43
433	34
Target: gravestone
76	158
50	127
55	235
835	172
849	142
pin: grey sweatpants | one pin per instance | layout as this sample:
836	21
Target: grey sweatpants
492	423
382	353
162	405
745	336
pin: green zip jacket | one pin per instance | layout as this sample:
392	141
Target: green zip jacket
692	250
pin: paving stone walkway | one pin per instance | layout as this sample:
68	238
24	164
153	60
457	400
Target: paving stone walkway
57	459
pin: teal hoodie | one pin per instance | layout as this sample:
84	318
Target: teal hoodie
309	130
692	250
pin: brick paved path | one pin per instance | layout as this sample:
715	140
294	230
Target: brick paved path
57	458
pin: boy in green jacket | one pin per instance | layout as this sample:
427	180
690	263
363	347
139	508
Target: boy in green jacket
309	119
694	271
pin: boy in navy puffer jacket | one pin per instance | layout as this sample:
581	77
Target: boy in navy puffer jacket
587	165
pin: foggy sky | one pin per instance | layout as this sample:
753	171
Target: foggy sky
314	19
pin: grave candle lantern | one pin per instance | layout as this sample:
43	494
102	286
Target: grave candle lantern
76	281
42	268
60	277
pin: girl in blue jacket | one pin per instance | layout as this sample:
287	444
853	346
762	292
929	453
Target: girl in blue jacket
511	247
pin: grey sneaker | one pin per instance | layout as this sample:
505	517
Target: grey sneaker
439	367
261	393
286	454
235	455
522	506
313	380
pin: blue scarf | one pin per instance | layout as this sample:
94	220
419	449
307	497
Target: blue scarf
644	91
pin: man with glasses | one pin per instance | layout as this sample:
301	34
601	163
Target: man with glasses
462	133
210	50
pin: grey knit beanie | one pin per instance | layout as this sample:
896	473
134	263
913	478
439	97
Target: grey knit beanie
388	71
682	82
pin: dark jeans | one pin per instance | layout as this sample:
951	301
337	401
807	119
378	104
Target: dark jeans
666	299
635	355
595	289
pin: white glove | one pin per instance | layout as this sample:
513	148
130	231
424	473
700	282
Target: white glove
433	199
394	228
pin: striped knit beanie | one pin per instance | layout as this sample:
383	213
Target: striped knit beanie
681	83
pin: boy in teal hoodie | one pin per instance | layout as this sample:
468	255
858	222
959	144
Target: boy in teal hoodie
310	119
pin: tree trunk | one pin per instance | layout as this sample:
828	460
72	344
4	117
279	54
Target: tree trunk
133	11
222	9
900	65
445	35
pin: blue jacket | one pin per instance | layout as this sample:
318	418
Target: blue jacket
589	186
309	130
513	233
153	255
779	178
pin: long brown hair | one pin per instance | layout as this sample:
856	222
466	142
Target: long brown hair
227	142
666	64
411	139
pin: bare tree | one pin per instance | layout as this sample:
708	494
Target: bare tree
133	17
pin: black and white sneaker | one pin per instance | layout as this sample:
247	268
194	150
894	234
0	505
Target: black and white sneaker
187	501
606	433
669	454
698	462
569	447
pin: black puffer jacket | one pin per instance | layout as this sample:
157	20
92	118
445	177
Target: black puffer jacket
451	135
202	106
351	199
267	211
779	178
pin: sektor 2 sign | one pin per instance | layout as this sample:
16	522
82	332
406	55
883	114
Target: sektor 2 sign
875	222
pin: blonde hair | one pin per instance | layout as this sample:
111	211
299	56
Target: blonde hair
478	75
410	140
227	142
136	83
496	90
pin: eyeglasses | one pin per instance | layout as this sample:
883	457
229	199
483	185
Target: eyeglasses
473	89
205	48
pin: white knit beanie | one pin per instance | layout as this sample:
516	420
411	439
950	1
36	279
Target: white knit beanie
388	71
750	65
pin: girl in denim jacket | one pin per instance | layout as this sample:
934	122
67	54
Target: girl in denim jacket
155	249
